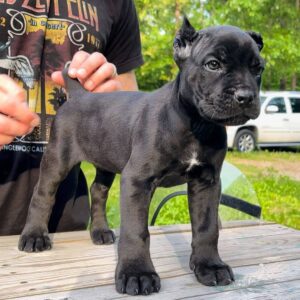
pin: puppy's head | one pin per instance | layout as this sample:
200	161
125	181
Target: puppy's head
221	70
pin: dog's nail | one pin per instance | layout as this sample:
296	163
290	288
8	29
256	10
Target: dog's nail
227	281
136	291
146	292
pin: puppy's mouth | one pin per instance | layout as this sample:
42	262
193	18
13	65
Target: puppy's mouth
236	119
227	112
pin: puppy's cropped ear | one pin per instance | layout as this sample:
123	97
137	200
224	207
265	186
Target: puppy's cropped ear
257	38
183	41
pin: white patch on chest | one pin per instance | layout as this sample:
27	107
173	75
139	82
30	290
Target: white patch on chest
193	161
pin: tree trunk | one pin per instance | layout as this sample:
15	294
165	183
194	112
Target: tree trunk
294	81
282	84
177	14
267	83
174	68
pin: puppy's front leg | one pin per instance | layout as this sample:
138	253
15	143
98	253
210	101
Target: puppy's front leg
135	273
205	260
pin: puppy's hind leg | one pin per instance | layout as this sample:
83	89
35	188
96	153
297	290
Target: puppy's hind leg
55	166
100	232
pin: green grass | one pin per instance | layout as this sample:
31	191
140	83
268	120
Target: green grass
264	155
278	195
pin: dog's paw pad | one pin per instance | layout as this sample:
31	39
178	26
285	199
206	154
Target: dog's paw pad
213	274
138	284
102	236
34	242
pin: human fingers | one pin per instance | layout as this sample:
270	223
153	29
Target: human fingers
106	72
82	66
90	65
77	60
20	111
58	78
12	128
9	87
5	139
111	85
98	70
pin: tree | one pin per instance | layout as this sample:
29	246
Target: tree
159	21
276	20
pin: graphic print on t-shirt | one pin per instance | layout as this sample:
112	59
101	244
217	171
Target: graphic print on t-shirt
39	37
19	64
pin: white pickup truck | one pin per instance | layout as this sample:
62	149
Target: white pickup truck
278	124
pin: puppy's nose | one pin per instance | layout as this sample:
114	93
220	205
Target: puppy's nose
244	97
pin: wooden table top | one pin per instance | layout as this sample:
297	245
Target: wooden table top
265	258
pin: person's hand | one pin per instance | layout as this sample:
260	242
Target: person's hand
16	119
93	71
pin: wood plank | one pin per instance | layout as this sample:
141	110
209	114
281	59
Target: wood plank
279	291
77	263
229	239
75	236
255	282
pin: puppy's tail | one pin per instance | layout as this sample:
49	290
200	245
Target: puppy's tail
73	86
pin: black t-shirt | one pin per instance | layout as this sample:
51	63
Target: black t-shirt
37	38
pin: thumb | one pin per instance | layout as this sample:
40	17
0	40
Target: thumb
57	77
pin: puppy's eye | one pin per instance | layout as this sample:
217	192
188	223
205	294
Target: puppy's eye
257	69
213	65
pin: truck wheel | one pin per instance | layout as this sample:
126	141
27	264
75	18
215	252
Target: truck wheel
245	141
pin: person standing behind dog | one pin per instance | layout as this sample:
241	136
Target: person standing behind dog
37	38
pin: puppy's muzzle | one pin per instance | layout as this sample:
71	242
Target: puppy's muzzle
244	97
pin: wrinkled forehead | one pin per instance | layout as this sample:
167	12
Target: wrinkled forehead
225	43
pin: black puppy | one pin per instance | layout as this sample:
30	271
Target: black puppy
173	135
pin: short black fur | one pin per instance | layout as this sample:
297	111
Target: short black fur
173	135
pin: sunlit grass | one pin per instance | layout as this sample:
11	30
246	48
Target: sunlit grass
279	196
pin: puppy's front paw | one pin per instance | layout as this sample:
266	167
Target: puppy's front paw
34	241
137	283
102	236
211	273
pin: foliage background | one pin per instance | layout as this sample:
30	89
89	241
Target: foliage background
278	21
277	193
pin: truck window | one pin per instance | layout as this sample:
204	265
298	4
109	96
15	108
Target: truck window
295	104
279	102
